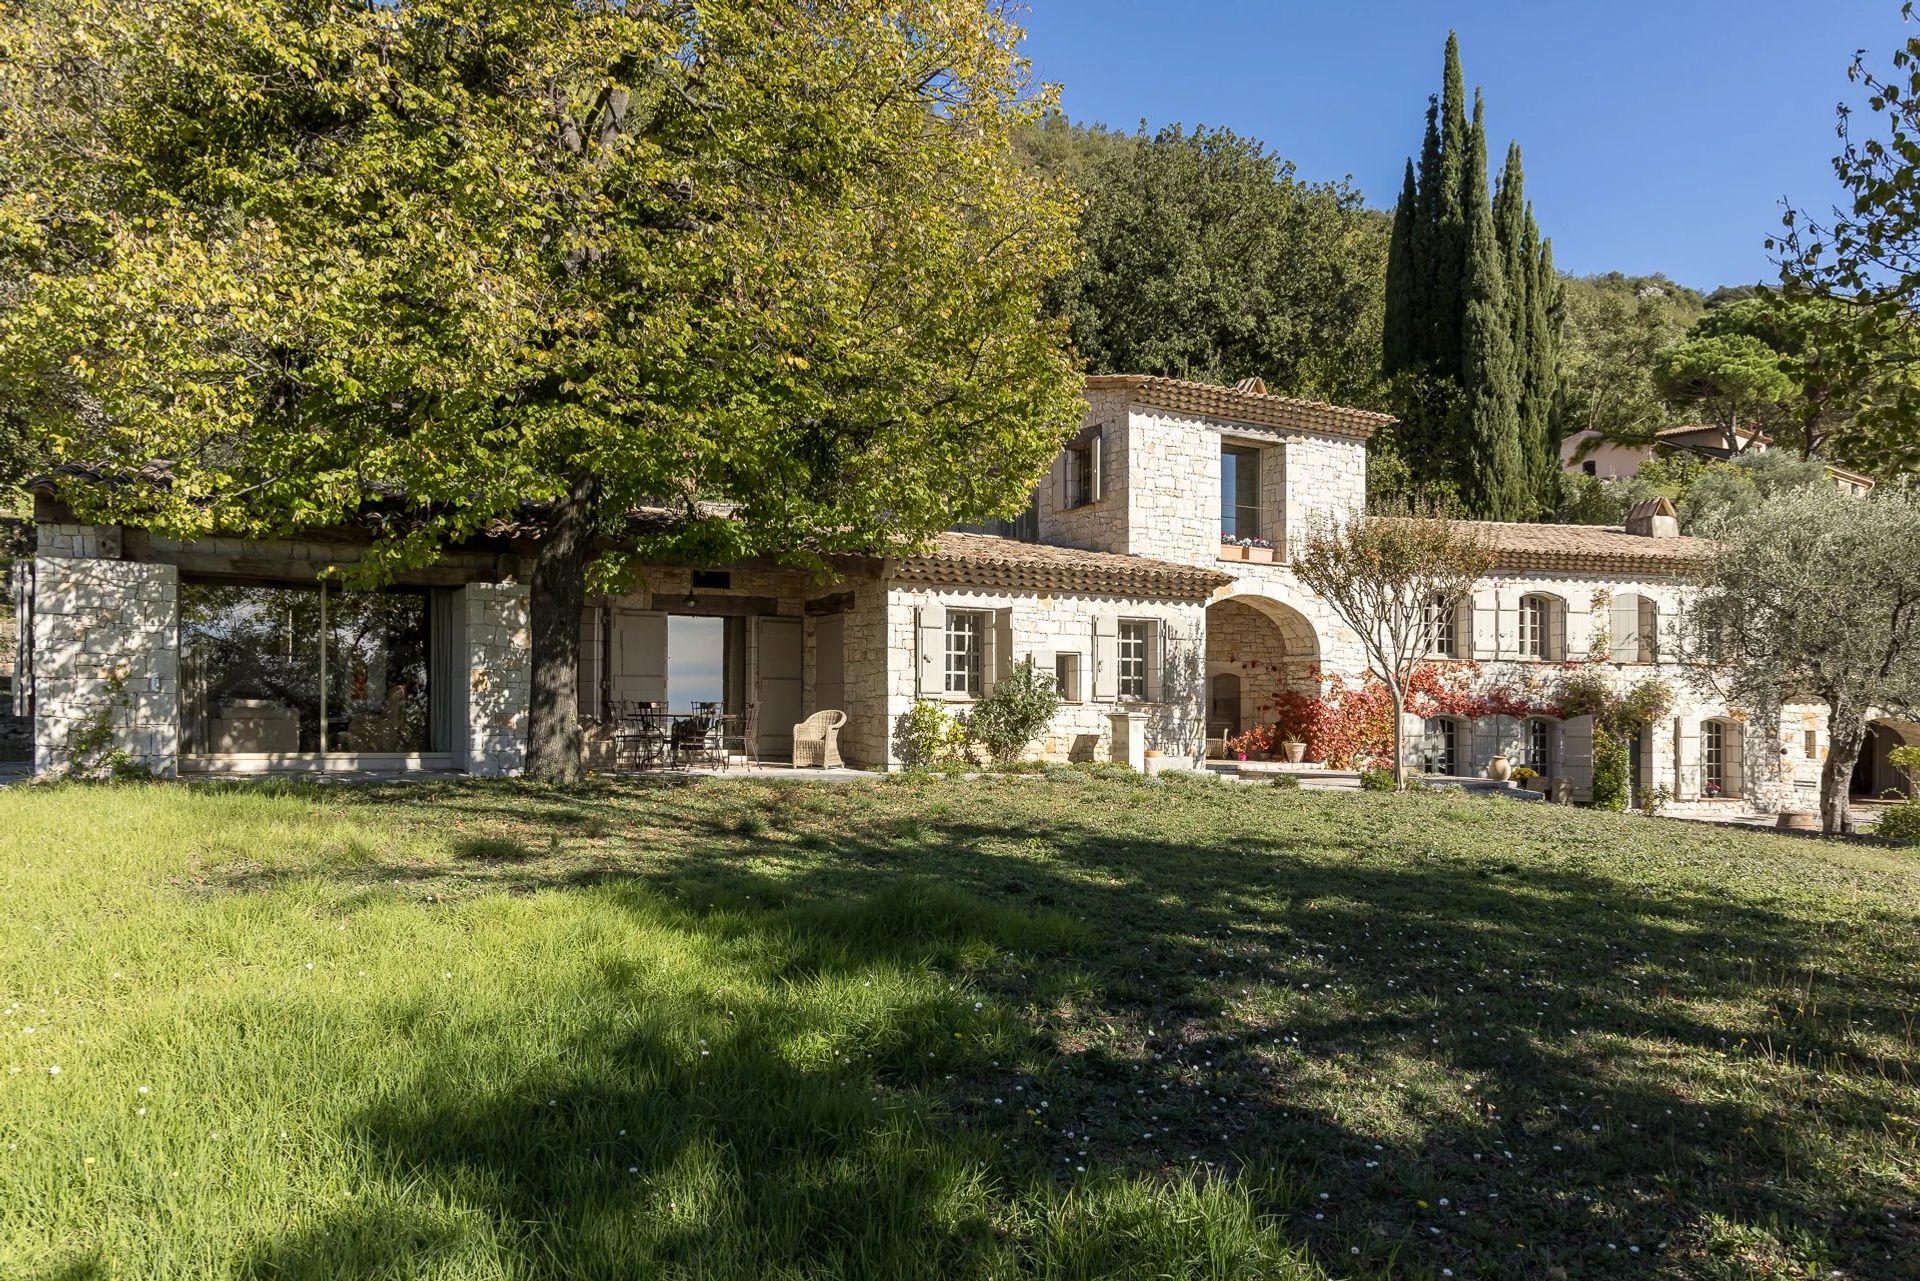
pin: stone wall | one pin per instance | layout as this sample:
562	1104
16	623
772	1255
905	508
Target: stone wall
498	652
105	653
1043	625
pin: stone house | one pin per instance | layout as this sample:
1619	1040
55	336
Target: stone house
1135	578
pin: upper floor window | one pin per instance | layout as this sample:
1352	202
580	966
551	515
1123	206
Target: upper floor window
1133	642
1441	629
1542	628
1635	624
966	651
1081	480
1239	492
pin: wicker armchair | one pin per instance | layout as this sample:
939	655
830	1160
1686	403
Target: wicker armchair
816	741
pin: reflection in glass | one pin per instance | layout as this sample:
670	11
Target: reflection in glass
376	671
249	668
254	678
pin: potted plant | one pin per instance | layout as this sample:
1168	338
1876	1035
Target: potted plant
1231	549
1257	550
1295	749
1525	777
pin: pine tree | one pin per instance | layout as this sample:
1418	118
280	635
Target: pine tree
1494	474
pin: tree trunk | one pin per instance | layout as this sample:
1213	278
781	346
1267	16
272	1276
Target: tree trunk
558	595
1846	736
1399	747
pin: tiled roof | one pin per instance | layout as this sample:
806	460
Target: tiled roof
989	561
1719	434
1592	549
1254	407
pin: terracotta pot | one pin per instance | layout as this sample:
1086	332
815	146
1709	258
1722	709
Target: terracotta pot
1232	551
1259	555
1296	752
1499	769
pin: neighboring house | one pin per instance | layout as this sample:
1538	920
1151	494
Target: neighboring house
224	655
1594	455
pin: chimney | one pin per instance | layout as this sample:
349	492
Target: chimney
1654	518
1256	385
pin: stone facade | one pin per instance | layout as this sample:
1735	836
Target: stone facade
1042	626
106	655
1130	520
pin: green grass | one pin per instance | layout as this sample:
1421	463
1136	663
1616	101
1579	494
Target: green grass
1069	1026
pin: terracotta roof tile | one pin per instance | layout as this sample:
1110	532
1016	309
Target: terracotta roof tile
1591	549
991	561
1242	406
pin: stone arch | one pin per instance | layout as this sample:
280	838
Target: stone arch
1874	775
1272	650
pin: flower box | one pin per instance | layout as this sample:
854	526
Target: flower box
1259	555
1233	551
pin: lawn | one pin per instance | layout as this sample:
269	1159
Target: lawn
1066	1026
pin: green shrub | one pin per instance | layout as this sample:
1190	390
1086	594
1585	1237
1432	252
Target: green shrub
1287	782
1377	778
1901	823
1610	768
1014	712
926	738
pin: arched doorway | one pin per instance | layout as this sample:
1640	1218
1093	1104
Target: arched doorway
1257	649
1875	775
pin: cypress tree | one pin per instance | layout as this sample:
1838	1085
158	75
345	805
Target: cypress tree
1397	343
1493	470
1543	375
1471	335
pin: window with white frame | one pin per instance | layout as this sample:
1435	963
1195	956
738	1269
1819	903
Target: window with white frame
1440	628
1534	614
966	652
1713	758
1134	638
1066	677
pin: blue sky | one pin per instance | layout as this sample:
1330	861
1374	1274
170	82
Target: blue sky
1657	136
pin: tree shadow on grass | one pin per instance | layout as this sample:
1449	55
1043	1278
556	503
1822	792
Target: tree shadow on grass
1559	1055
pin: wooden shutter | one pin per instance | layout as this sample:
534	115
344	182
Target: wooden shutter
930	651
1576	756
1063	480
999	658
1553	633
1106	658
1625	623
638	656
1650	638
1506	628
1687	782
1096	467
1577	629
587	678
1734	736
1474	627
1156	661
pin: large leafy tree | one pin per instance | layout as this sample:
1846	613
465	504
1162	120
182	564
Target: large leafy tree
471	265
1203	256
1732	380
1816	594
1863	261
1471	323
1617	328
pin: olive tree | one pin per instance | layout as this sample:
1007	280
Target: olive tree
1393	578
1815	595
526	269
